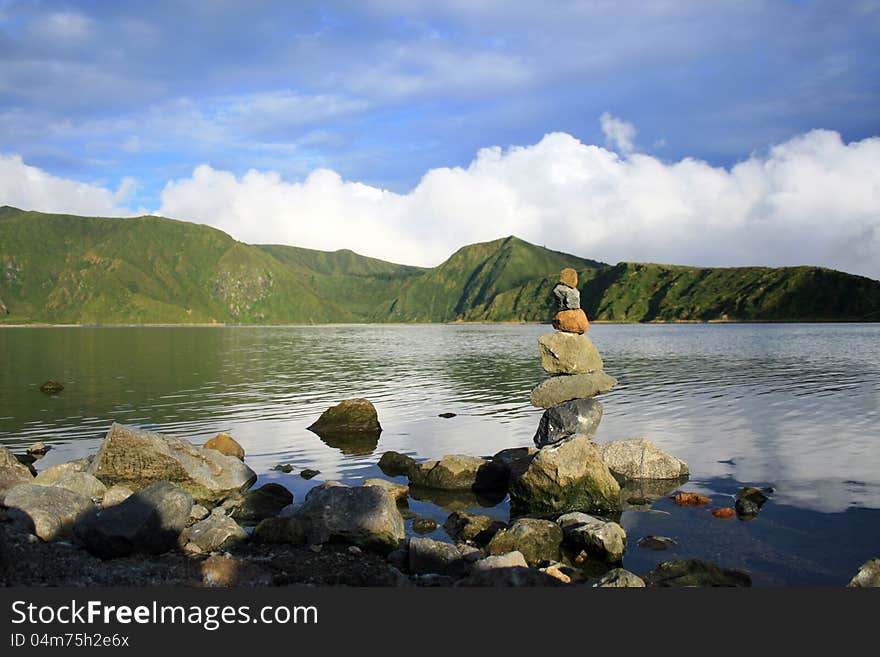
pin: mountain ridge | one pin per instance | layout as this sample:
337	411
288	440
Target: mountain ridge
68	269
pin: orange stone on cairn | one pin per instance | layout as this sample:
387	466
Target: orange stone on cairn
226	444
568	277
571	321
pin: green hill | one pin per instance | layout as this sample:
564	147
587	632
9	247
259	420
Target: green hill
88	270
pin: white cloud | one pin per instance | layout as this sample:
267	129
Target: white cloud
618	134
810	200
30	188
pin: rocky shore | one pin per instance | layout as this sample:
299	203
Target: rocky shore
150	508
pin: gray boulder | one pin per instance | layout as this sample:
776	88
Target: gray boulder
363	516
601	539
569	353
507	560
452	472
641	459
53	511
149	521
215	533
12	472
567	298
537	540
429	556
82	483
557	389
566	476
52	474
136	458
578	416
263	502
619	578
868	576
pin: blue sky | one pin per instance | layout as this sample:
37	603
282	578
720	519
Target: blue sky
131	96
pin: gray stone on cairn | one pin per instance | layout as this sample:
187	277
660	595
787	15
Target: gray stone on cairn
567	298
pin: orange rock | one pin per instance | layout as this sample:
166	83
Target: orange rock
723	512
571	321
226	444
691	499
568	277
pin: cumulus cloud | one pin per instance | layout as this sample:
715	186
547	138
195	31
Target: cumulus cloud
619	134
810	200
31	188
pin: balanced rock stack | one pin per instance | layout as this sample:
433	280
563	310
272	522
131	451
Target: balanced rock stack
568	473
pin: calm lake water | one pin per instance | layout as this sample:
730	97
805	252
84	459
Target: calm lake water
793	406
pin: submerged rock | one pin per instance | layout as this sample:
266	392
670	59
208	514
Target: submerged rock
136	458
652	542
619	578
601	539
53	511
537	540
693	572
150	521
363	516
566	476
868	575
51	387
641	459
226	444
578	416
569	353
565	387
452	472
12	473
352	416
309	473
690	499
424	525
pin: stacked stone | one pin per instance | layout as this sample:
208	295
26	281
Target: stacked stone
577	369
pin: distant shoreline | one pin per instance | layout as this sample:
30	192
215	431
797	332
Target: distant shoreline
453	323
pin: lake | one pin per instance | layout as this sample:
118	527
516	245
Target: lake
792	406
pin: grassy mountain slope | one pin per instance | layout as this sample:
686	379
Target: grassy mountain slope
87	270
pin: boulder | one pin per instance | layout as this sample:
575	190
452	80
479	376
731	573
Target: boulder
149	521
578	416
12	473
567	298
363	516
571	321
569	353
619	578
349	417
115	495
395	464
641	459
429	556
52	474
53	511
566	476
693	572
215	533
280	530
507	560
479	529
569	277
868	576
452	472
537	540
557	389
601	539
84	484
399	492
136	458
51	387
263	502
517	576
226	444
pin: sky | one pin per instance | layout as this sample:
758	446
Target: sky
703	133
